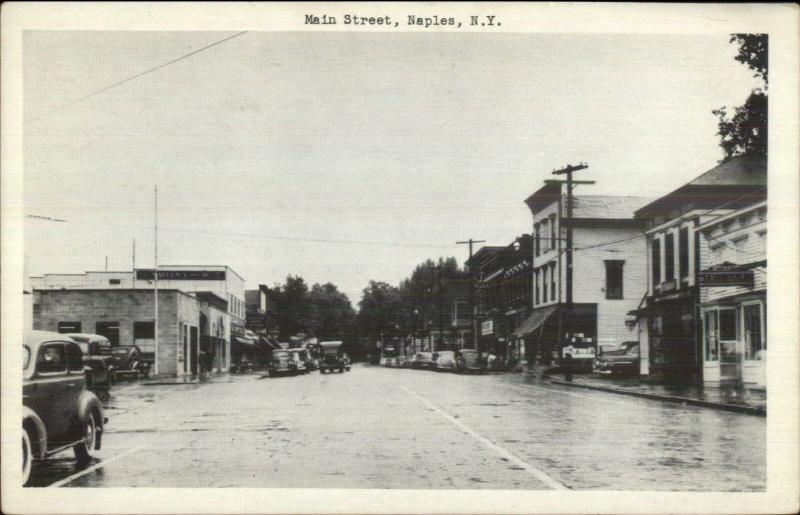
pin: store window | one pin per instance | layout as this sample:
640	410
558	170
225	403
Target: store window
710	336
669	257
727	325
69	327
614	279
753	338
110	330
683	252
144	335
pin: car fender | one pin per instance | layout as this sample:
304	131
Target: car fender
30	416
87	403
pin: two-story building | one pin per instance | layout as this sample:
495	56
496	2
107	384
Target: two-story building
577	313
733	297
669	316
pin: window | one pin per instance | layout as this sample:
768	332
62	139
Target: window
536	287
552	231
752	332
683	252
710	336
739	244
544	283
727	325
669	257
553	281
69	327
110	330
762	241
74	357
536	239
51	358
114	281
656	261
614	279
144	336
544	233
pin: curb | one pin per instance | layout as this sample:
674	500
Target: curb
746	410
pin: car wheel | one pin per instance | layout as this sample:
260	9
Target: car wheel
84	449
27	457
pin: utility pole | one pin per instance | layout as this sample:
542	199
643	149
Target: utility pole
155	285
472	307
568	171
441	310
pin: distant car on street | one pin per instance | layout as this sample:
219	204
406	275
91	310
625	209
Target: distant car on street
299	359
445	361
332	357
58	412
97	356
468	360
423	360
127	360
282	363
623	360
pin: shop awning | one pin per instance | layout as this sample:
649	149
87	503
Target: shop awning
535	320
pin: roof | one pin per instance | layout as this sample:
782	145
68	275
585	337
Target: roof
33	338
88	337
732	184
601	206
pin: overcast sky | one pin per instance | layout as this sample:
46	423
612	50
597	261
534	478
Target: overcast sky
404	141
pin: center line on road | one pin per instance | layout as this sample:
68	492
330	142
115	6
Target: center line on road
534	471
73	477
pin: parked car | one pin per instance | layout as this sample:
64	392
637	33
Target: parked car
97	359
423	360
127	360
445	360
282	363
312	363
468	360
332	357
58	411
299	358
623	360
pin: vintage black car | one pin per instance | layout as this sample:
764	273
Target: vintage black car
58	412
97	358
282	363
623	360
128	360
332	357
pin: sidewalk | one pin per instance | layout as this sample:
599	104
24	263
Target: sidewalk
739	400
223	377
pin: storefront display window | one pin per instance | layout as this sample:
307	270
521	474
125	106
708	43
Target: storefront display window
710	336
752	332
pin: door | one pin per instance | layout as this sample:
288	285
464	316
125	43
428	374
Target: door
730	356
193	348
48	393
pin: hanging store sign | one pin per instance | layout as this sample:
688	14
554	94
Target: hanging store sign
725	276
487	327
181	275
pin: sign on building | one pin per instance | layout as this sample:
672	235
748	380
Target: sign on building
725	275
181	275
487	327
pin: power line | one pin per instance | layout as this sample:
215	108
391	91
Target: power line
250	235
136	76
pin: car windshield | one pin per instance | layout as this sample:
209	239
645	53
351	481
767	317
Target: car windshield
26	357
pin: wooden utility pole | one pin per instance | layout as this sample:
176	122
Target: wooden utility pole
472	307
568	170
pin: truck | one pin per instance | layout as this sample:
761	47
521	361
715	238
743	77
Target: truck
332	357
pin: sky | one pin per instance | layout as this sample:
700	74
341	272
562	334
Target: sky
345	157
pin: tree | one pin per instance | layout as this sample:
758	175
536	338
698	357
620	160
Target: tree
380	309
745	131
333	311
293	308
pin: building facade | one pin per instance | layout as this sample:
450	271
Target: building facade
733	297
669	316
581	313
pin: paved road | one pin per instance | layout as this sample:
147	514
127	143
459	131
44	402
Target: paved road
395	428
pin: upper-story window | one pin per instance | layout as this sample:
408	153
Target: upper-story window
545	234
544	283
683	252
536	239
553	280
656	261
552	231
669	257
614	279
536	287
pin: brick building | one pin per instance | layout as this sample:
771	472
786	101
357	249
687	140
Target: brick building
608	279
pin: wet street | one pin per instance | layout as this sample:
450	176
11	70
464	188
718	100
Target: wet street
397	428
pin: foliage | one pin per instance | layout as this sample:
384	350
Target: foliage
321	311
745	131
379	309
335	316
